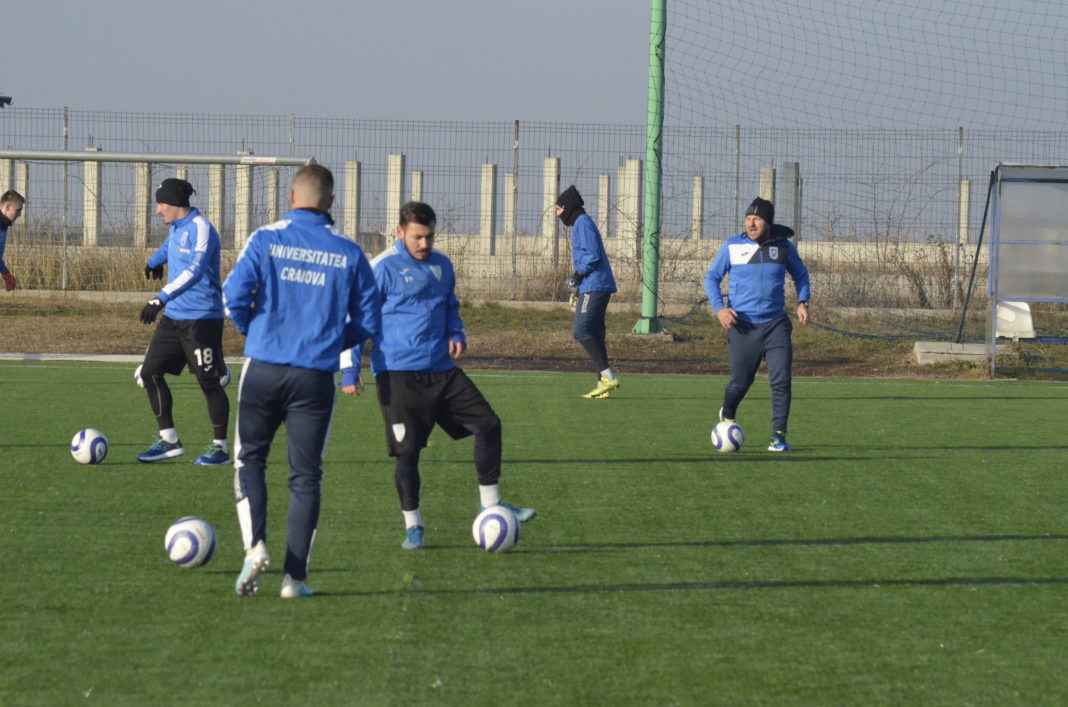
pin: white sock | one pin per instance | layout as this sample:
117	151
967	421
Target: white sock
221	443
490	495
607	373
169	435
412	518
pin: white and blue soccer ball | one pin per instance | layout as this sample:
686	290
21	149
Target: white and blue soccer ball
89	446
727	436
190	542
224	379
496	529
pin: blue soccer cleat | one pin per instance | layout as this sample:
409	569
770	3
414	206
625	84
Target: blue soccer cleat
521	514
414	538
161	450
214	455
778	443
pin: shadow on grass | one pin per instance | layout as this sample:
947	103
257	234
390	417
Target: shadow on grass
715	586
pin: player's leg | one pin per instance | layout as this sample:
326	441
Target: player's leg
259	413
164	355
588	330
744	348
202	343
406	404
309	408
463	411
779	355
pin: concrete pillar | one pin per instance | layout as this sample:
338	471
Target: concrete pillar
143	203
217	201
351	203
767	184
698	220
182	173
629	204
788	210
7	175
550	189
91	202
242	202
394	193
417	185
488	210
604	208
22	186
272	196
511	216
22	179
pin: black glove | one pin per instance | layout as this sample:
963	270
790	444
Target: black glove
148	314
575	280
155	273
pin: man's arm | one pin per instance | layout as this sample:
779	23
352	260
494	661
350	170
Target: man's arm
239	288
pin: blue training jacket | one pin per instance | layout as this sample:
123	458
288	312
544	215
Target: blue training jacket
757	275
302	293
589	258
420	312
191	252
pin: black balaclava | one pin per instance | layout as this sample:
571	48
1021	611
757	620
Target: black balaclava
572	202
175	192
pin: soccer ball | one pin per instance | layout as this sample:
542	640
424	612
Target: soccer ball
190	542
727	436
224	379
496	529
89	446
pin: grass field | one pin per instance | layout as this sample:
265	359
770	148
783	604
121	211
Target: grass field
912	550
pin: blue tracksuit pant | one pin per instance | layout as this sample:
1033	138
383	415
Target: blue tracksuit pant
303	399
747	345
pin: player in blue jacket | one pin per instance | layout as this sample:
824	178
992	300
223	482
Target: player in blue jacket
11	203
190	331
757	325
594	284
413	360
302	293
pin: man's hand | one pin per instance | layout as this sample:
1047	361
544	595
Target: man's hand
727	317
9	281
155	273
456	348
151	309
351	382
802	312
575	280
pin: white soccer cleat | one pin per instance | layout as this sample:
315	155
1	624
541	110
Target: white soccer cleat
295	588
256	562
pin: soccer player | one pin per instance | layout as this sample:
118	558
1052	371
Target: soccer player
594	283
757	325
190	331
414	363
11	203
302	293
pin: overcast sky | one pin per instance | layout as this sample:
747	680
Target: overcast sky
559	60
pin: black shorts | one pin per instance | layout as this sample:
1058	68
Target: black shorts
413	402
177	343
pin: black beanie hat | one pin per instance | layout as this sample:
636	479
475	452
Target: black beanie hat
175	192
572	203
762	208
